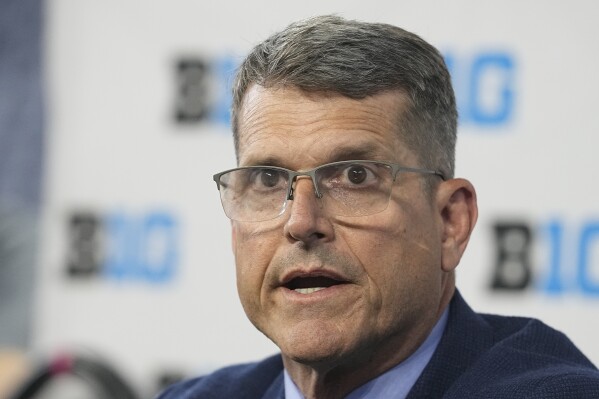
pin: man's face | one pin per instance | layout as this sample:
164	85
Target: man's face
382	272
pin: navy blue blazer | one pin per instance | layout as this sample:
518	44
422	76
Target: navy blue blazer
479	357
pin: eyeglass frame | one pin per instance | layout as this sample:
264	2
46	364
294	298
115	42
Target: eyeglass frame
293	175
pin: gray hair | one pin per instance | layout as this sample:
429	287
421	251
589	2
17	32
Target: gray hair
329	54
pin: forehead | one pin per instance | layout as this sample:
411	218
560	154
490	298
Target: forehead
289	127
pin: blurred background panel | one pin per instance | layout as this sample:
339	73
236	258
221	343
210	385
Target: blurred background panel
21	167
115	114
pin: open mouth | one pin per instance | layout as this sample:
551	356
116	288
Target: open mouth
310	284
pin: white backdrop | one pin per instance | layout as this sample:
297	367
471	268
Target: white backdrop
132	211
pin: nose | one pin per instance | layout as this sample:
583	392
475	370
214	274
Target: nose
307	220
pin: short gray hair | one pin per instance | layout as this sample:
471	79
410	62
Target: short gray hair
355	59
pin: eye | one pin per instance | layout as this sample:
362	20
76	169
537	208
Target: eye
357	174
263	179
270	178
349	176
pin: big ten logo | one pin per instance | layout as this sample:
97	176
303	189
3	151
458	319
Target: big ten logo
121	246
569	257
203	88
485	85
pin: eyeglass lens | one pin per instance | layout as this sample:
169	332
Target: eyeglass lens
347	189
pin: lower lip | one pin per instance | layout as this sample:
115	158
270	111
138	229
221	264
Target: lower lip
324	294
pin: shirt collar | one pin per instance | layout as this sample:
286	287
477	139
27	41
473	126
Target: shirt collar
397	381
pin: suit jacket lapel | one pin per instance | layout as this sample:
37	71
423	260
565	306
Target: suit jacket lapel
466	337
276	390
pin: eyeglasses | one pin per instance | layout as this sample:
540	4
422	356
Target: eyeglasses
346	188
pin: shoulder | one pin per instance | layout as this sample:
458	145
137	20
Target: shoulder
551	382
564	384
508	339
497	357
530	343
253	379
527	359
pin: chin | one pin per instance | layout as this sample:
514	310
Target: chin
312	347
316	359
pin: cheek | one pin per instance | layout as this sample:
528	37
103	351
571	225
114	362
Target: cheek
253	252
246	262
398	255
376	243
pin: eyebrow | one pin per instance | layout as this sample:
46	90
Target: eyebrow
360	151
267	161
364	151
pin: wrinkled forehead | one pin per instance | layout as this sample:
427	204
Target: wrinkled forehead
290	120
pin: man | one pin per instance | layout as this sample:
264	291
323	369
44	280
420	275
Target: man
348	224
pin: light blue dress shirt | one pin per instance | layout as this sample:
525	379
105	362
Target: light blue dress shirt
396	382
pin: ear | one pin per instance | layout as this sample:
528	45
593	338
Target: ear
456	201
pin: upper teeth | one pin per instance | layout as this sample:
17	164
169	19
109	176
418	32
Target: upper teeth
308	290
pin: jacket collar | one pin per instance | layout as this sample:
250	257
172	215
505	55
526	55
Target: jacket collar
467	335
